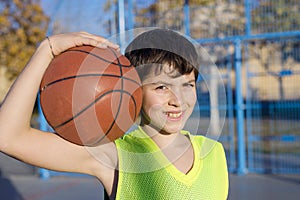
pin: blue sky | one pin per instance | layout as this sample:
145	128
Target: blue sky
78	15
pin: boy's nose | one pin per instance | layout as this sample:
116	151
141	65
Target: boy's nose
175	98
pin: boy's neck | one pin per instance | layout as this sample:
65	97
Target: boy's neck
164	140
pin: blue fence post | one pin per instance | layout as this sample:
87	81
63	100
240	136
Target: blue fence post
121	22
121	16
248	17
186	10
230	111
44	173
239	109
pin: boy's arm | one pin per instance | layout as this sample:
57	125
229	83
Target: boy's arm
33	146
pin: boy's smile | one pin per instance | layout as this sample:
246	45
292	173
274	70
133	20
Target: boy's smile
168	101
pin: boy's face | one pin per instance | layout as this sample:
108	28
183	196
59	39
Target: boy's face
168	101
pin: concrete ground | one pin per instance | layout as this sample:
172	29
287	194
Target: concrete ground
251	186
262	187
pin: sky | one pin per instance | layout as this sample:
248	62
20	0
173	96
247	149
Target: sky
78	15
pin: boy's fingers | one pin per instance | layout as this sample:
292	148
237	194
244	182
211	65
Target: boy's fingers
102	42
106	43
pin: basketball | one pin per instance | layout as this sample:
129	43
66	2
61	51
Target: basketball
90	96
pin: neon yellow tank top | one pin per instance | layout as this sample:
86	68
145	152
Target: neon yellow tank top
146	174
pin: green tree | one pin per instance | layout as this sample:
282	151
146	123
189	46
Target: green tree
23	24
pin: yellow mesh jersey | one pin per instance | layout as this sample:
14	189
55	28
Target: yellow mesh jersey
145	173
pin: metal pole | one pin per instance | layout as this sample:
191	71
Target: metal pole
240	109
121	16
248	17
121	22
43	173
186	10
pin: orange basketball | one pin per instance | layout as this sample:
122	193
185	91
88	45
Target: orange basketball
90	96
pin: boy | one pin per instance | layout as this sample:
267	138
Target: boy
157	160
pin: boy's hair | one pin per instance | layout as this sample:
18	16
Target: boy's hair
161	47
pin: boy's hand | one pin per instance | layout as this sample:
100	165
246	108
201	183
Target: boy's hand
62	42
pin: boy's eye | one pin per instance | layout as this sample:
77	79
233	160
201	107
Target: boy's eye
161	87
189	85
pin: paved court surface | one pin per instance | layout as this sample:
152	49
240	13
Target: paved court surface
251	186
263	187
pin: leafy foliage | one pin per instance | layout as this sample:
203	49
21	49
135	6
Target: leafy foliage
23	24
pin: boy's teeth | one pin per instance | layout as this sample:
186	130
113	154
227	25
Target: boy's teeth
174	115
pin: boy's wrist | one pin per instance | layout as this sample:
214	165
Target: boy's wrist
50	46
45	49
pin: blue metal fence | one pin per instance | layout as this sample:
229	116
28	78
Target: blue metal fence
272	106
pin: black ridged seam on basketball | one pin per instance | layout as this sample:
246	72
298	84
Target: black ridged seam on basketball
102	95
120	99
87	75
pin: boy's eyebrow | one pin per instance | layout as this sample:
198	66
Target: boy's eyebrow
160	82
192	80
166	83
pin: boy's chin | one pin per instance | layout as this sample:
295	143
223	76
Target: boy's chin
171	129
166	129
